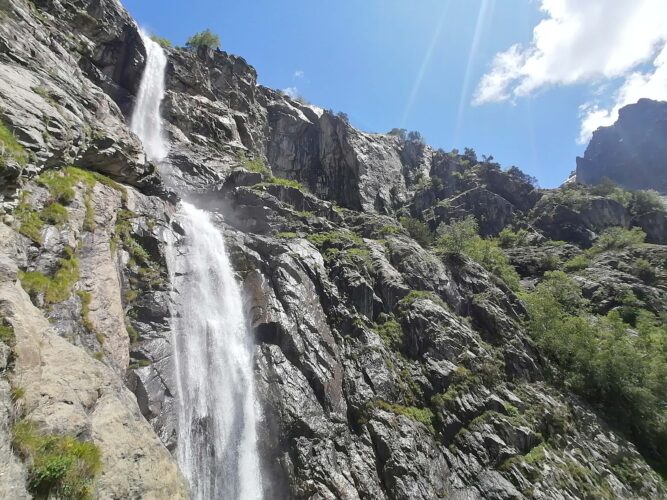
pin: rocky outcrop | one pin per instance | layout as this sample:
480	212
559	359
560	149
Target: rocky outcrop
66	391
384	369
632	152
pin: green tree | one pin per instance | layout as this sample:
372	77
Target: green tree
418	230
461	237
645	202
457	236
619	370
162	41
204	38
618	238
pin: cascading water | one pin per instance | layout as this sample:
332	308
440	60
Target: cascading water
146	121
213	351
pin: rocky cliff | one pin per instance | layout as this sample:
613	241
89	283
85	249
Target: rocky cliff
385	367
632	152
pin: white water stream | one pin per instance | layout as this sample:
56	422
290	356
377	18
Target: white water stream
213	351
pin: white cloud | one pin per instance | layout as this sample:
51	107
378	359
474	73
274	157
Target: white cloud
292	92
652	84
585	41
299	74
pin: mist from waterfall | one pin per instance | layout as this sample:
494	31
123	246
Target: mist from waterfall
213	347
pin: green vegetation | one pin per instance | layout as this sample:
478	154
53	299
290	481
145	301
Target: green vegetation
421	415
622	372
132	333
58	465
43	92
510	239
7	333
643	269
61	183
89	217
10	148
418	230
609	189
123	234
56	288
279	181
254	164
534	456
462	381
163	42
204	38
391	334
646	202
618	238
335	239
86	298
16	393
386	230
30	223
461	237
414	295
577	263
146	271
54	214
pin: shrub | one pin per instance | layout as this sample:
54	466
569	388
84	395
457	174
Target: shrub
392	334
623	374
519	174
279	181
415	136
577	263
10	148
457	236
419	295
58	465
86	298
30	223
7	334
401	133
335	239
609	189
421	415
254	164
618	238
510	239
645	202
163	42
54	214
418	230
460	237
59	184
644	271
58	287
204	38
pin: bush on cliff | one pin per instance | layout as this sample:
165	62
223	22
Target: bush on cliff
461	237
620	368
204	38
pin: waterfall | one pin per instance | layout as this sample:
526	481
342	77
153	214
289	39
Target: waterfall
213	347
146	121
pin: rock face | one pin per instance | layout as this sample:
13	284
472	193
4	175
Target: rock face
383	369
632	152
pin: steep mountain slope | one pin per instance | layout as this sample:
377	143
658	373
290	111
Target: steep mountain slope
632	152
386	366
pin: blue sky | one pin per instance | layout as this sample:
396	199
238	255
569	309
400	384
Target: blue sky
420	64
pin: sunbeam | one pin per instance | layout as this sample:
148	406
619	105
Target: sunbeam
425	63
485	11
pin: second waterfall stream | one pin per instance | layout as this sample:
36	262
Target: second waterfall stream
213	347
